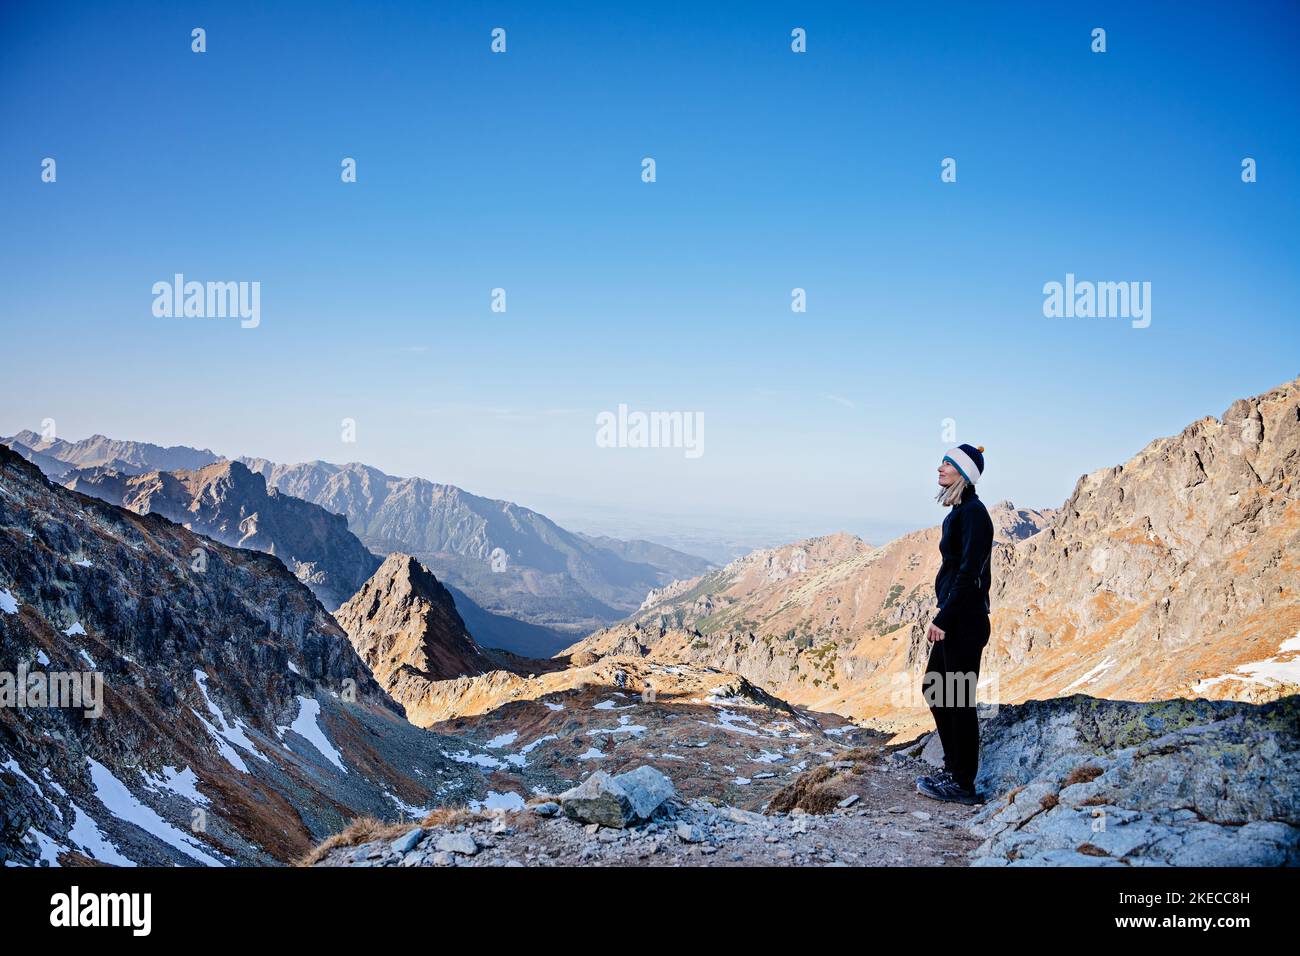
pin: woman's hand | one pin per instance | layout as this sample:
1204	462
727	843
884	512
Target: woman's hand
933	634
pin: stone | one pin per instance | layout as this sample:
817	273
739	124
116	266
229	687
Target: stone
647	789
617	801
548	809
689	833
848	801
459	842
407	841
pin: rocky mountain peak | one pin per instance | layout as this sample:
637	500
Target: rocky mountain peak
405	626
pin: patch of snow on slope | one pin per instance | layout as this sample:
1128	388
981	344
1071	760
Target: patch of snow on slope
183	783
624	727
9	605
1266	672
1092	675
232	732
114	795
499	801
502	740
307	725
86	834
529	748
480	760
75	629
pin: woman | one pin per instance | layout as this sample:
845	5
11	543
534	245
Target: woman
960	629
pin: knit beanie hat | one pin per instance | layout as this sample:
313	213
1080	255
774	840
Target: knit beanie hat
967	459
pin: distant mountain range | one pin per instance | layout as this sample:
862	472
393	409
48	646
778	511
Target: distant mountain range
521	581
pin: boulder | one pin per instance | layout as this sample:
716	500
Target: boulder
617	801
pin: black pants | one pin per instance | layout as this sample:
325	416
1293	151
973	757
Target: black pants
949	690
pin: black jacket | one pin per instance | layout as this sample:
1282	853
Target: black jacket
962	584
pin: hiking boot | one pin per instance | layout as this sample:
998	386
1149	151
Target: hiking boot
948	790
939	777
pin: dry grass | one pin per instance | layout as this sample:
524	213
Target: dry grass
1084	773
813	792
369	830
359	831
448	817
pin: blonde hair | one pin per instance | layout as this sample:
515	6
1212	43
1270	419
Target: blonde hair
952	494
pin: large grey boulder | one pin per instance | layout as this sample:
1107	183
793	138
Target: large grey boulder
617	801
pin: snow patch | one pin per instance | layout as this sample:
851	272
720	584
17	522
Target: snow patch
624	727
1093	674
508	801
9	605
537	743
86	834
307	725
1267	672
222	732
120	802
183	783
479	760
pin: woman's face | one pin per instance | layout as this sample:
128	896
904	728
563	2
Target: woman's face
947	474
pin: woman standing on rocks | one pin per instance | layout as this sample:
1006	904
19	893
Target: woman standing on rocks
960	629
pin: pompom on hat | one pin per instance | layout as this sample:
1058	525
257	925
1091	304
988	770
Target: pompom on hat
968	460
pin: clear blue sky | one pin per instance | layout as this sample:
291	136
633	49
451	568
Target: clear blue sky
775	170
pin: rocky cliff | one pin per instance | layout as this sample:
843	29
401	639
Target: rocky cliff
233	721
230	504
405	626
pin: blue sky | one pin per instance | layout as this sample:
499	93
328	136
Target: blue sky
775	170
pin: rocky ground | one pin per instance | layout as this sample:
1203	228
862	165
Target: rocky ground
885	823
1071	781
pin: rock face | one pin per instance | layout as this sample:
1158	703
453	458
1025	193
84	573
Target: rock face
234	721
405	626
1172	575
1179	782
230	504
